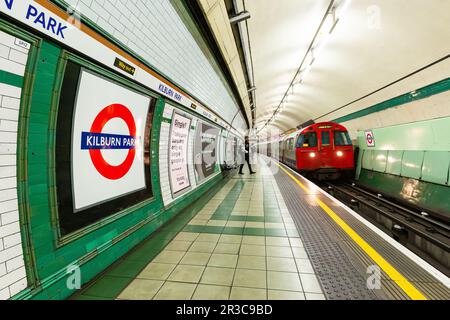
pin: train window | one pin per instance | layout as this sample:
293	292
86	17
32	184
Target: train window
342	138
326	138
290	144
307	140
83	150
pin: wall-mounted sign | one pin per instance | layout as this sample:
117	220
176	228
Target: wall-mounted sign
178	152
229	150
205	150
107	141
122	65
370	138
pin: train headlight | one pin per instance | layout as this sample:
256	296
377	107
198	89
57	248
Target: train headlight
340	154
312	154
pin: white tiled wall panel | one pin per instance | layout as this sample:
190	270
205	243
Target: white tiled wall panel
163	156
432	107
154	30
12	268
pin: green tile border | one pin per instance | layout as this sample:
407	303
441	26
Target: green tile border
11	79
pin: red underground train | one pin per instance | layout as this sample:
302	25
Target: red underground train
323	151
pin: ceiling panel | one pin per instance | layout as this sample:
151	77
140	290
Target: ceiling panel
375	43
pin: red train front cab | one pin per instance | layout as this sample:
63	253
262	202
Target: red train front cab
326	149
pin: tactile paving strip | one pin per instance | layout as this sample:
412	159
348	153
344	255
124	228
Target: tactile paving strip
420	278
325	241
339	277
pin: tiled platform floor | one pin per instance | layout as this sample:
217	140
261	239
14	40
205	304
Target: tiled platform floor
243	244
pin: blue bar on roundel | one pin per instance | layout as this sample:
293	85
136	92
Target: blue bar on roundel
100	141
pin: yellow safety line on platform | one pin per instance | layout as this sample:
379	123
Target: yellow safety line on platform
399	279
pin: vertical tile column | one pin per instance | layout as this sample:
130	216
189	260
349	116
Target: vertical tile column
13	59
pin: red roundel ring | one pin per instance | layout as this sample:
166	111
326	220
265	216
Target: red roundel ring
105	169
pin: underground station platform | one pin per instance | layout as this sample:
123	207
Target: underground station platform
270	236
125	126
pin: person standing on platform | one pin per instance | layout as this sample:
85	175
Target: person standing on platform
246	151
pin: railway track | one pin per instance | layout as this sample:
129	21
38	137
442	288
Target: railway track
421	232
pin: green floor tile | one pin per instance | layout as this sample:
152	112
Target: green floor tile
107	287
238	218
227	203
128	268
233	230
255	219
211	229
142	255
254	232
221	211
220	217
167	234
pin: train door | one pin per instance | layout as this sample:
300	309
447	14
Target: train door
306	151
326	148
290	153
282	150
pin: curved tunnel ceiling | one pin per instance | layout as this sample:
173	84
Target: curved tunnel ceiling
374	43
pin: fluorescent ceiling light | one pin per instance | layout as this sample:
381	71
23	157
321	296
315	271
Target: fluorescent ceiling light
328	24
342	8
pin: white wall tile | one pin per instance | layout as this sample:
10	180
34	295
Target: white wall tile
10	91
12	271
4	294
18	286
10	103
12	277
14	264
9	207
154	30
19	57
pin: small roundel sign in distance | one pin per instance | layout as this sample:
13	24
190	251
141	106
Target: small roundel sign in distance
370	139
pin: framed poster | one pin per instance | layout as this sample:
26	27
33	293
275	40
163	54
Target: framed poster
205	150
107	141
102	148
229	151
178	153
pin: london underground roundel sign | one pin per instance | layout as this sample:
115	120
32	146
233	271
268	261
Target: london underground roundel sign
370	139
95	141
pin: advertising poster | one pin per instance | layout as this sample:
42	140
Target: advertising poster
235	149
229	146
178	152
108	139
205	150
